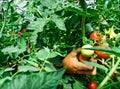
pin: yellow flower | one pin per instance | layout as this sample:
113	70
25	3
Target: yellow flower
112	34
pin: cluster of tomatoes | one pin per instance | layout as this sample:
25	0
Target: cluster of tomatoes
86	54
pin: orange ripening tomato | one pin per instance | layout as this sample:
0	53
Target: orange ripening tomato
92	84
101	54
81	57
96	35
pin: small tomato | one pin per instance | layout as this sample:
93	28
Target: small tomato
81	57
96	35
101	54
85	52
92	84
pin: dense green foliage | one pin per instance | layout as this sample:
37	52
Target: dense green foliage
53	28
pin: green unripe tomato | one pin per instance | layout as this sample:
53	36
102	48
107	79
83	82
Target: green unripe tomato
85	52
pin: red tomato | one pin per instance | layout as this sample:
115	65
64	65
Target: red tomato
101	54
81	57
96	35
92	84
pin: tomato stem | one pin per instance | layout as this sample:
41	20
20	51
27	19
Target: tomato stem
84	7
109	74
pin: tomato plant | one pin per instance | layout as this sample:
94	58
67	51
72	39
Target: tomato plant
35	36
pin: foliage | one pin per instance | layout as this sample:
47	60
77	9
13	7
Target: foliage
35	35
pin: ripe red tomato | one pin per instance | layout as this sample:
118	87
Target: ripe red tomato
96	35
92	84
101	54
81	57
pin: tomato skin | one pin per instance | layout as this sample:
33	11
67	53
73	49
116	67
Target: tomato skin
92	84
96	35
85	52
81	58
101	54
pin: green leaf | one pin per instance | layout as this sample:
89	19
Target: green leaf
45	54
32	63
51	4
43	80
114	50
88	28
38	25
33	37
77	10
67	86
96	65
22	45
78	85
5	70
27	68
10	49
42	54
49	67
59	22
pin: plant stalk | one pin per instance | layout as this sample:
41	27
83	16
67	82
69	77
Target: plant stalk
109	74
84	7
